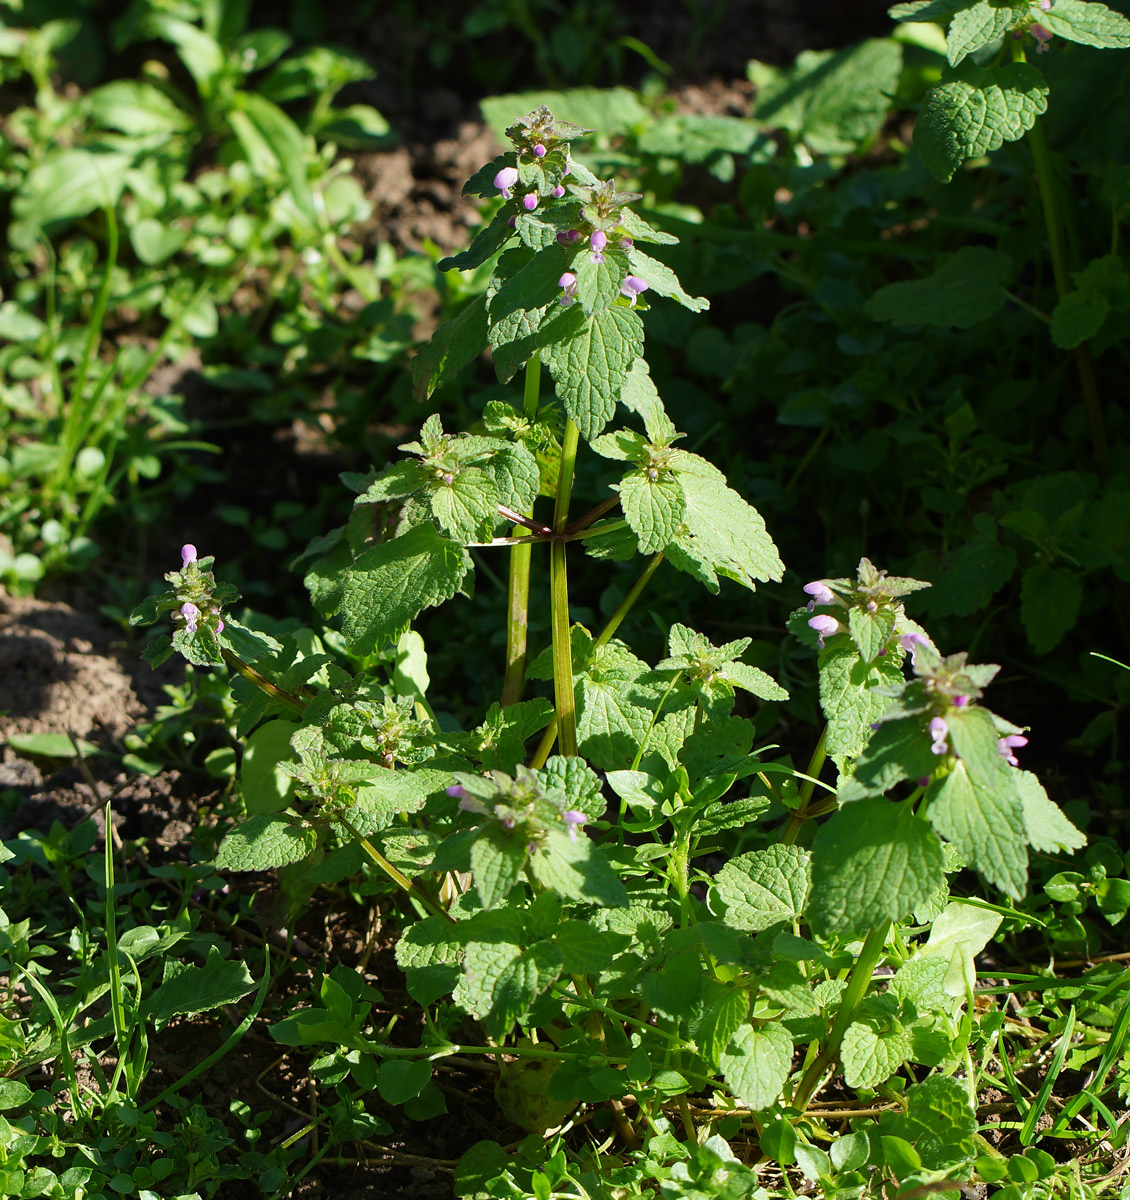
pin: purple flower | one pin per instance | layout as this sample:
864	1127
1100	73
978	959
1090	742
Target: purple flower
598	239
191	615
513	222
960	701
626	243
187	555
219	627
939	731
924	781
825	626
572	819
539	151
1046	5
1042	36
1006	745
632	286
457	791
568	284
821	593
530	201
911	642
505	180
559	191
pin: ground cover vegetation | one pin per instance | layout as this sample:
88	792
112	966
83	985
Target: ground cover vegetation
642	676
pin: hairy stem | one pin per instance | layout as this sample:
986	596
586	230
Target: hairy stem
559	599
249	673
856	989
518	606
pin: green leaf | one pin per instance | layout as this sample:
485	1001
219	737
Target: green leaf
897	750
875	1045
653	508
496	863
65	185
974	738
501	982
598	283
663	281
576	870
965	291
487	242
870	631
265	788
1088	23
673	990
589	358
263	842
199	51
50	745
985	825
966	580
138	109
399	1080
755	681
1048	830
721	533
585	950
467	507
153	241
831	100
1078	317
577	785
981	24
514	471
286	143
756	1064
959	933
848	697
454	345
190	989
383	794
872	861
614	111
726	1011
764	887
639	394
1049	605
939	1122
976	112
390	583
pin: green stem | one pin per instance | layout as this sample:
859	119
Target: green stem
625	605
398	877
800	814
1084	364
559	598
856	989
296	706
518	606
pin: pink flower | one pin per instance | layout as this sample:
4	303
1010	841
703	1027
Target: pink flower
539	151
825	626
191	615
568	285
598	239
821	593
1042	36
505	180
530	201
939	731
632	286
559	191
187	555
572	819
1006	745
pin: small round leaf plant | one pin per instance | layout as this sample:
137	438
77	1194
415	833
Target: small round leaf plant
571	905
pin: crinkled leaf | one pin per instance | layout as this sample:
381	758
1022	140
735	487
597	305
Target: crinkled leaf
897	750
872	861
764	887
589	358
985	824
576	870
981	24
663	281
756	1063
755	681
454	344
966	290
653	508
848	697
487	242
598	283
978	111
639	394
875	1047
496	863
673	990
726	1011
1048	830
390	583
585	950
263	842
870	631
1088	23
467	507
1077	317
577	785
939	1122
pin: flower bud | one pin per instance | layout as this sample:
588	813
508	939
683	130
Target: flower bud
559	191
187	555
530	201
539	151
598	239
